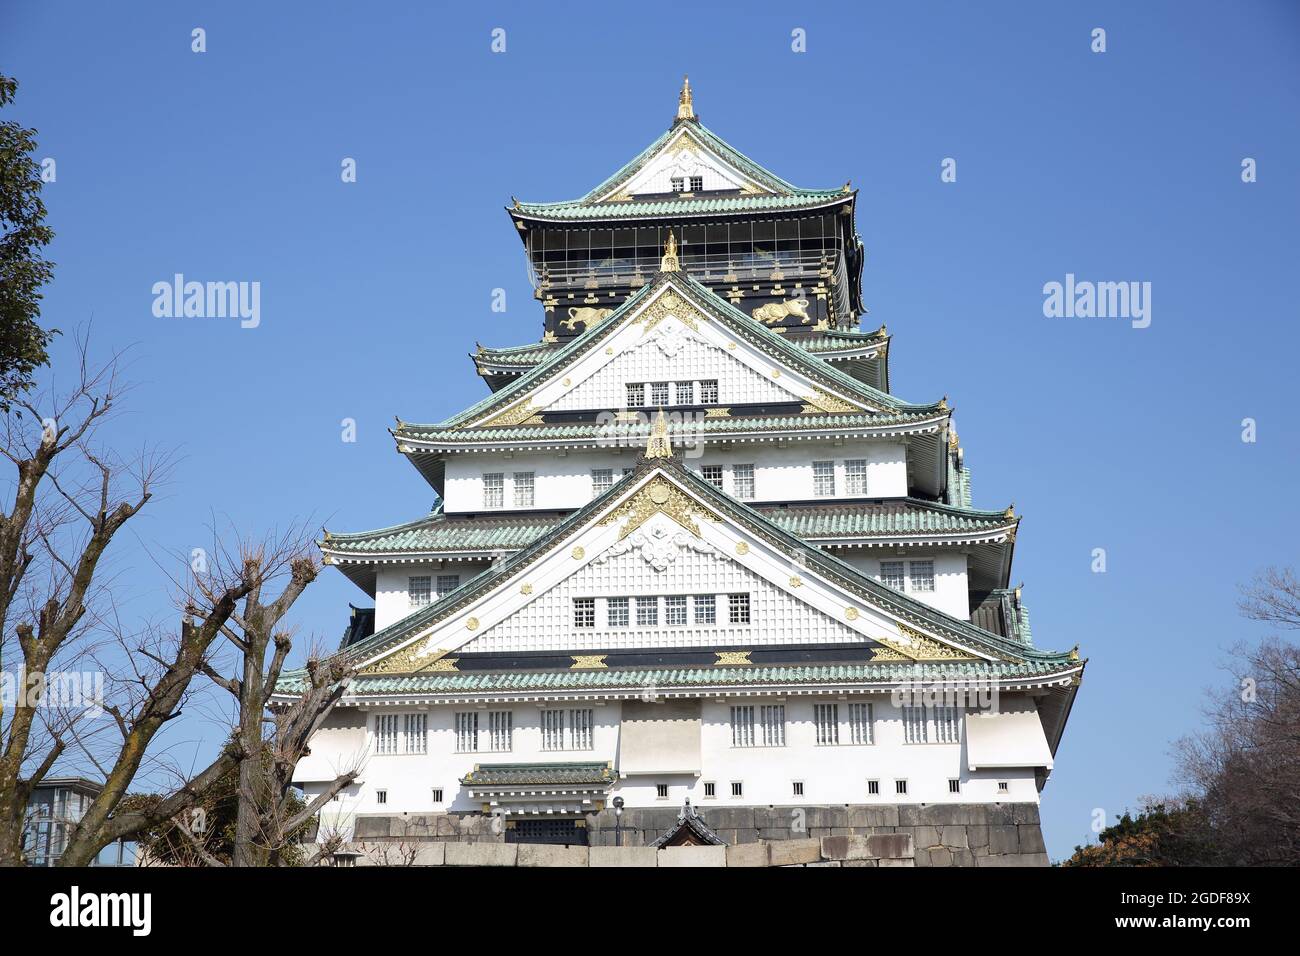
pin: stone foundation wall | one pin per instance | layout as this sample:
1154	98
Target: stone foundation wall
1005	834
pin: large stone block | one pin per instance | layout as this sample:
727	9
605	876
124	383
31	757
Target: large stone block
429	853
859	863
728	818
977	836
1031	838
774	834
885	816
1025	813
370	828
792	852
926	836
482	854
894	846
1003	839
908	862
954	837
546	854
623	856
693	856
1013	859
847	848
747	854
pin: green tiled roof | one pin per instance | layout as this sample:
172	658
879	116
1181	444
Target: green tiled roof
538	774
669	208
520	355
438	532
670	678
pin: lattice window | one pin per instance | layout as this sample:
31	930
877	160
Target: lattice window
738	608
855	476
616	612
647	612
921	575
494	490
552	730
772	724
742	481
706	609
826	717
742	726
914	725
712	474
584	612
823	479
501	727
386	733
602	479
678	184
675	610
524	489
697	183
466	732
415	729
581	725
447	583
709	392
658	393
419	589
685	393
891	573
860	723
635	395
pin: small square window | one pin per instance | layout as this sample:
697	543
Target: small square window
437	795
678	184
796	788
712	474
706	609
710	789
675	610
647	612
954	785
381	796
737	788
584	612
1003	786
873	788
900	787
697	183
738	608
685	393
616	612
420	589
661	791
709	392
635	394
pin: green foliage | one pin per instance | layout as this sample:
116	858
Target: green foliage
23	235
1160	834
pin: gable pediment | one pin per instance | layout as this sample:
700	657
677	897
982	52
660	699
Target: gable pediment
683	156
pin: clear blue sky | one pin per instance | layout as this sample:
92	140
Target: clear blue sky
1116	166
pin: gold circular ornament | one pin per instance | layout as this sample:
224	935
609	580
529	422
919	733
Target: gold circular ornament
567	382
472	624
670	301
579	553
776	373
525	589
851	613
659	494
742	547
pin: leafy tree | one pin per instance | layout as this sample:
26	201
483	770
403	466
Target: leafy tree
1173	834
23	234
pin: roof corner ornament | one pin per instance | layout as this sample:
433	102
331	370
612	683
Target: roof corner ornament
669	262
1074	653
685	108
1011	511
659	446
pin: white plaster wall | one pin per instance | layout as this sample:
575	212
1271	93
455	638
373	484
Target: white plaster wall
392	581
951	593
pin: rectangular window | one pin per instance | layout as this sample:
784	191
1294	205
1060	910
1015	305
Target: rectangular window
738	608
647	612
447	583
584	612
467	732
437	795
678	184
742	481
523	489
415	727
381	796
891	573
552	730
685	393
419	589
823	479
954	785
1003	786
855	476
860	723
772	723
900	787
737	788
658	393
742	726
494	490
616	612
661	791
602	479
709	392
706	609
386	734
697	183
675	610
712	474
501	730
947	724
922	575
827	719
635	394
914	728
581	723
796	788
710	789
873	788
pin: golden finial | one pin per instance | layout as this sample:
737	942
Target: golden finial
669	262
1011	511
659	446
943	404
1074	653
684	108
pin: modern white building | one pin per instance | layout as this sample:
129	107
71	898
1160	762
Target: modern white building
692	547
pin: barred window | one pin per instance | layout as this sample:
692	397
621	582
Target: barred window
584	612
855	476
602	479
494	490
742	481
386	733
635	394
738	608
466	732
947	724
710	789
552	730
381	796
437	795
860	723
891	573
900	787
709	392
580	729
706	609
772	723
737	788
419	589
616	612
417	739
501	728
661	791
712	474
447	583
922	575
685	393
914	728
697	183
647	612
873	788
742	726
675	610
658	393
523	489
823	478
954	785
796	788
827	719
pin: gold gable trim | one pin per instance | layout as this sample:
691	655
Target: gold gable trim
588	662
411	660
732	658
669	303
518	415
656	496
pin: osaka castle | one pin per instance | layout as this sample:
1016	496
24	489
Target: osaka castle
694	572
